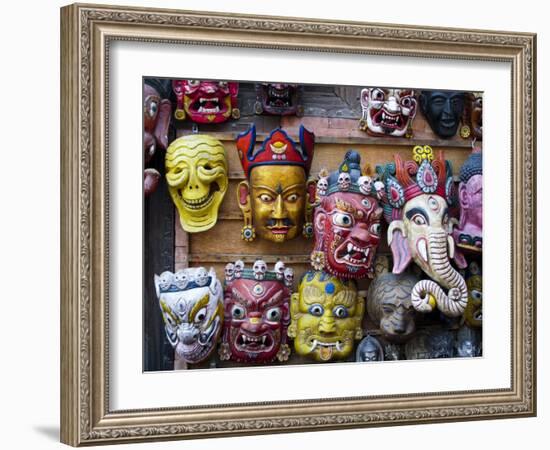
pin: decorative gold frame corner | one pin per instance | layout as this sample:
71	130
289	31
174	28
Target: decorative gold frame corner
86	31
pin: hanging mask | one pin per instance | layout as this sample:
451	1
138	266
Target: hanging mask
276	200
416	200
473	117
326	317
347	222
196	172
369	350
191	304
443	111
388	112
473	315
156	121
430	344
389	305
256	316
206	101
280	99
468	235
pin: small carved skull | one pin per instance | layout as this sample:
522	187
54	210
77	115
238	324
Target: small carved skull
289	277
279	270
201	276
239	267
259	269
166	279
229	272
180	279
379	188
344	181
322	186
365	184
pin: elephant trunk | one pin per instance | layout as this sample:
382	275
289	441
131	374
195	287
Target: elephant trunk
426	292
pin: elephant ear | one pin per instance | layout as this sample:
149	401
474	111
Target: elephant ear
399	247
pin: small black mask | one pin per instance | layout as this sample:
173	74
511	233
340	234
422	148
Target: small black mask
443	110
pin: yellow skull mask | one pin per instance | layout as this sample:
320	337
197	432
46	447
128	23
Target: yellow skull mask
196	172
326	315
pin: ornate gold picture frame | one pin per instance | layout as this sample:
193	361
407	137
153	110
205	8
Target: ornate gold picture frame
87	34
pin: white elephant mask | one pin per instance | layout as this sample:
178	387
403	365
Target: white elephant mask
417	196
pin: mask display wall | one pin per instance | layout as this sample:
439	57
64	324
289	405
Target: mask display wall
468	234
417	194
279	99
326	315
388	112
275	199
191	304
369	350
346	221
443	111
473	117
389	305
156	121
196	172
206	101
256	313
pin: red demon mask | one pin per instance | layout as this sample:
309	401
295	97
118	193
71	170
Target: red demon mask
257	315
206	101
346	222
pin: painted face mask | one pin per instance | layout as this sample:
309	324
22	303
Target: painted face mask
473	117
196	172
473	315
388	112
191	304
326	317
468	235
389	304
347	222
256	316
156	121
416	207
369	350
279	99
443	110
206	101
276	198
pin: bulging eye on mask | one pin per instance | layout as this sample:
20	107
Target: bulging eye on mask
326	315
196	173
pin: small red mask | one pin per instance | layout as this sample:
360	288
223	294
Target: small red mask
257	316
206	101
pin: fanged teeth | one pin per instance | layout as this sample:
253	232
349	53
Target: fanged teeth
253	340
209	110
315	343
